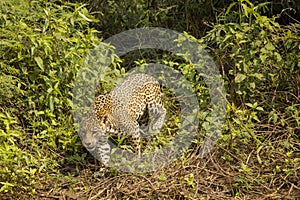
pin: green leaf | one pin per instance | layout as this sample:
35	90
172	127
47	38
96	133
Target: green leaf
278	57
263	57
259	76
84	17
250	105
260	108
269	46
257	154
239	78
252	85
39	62
229	7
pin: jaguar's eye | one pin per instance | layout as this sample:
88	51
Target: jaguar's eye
94	132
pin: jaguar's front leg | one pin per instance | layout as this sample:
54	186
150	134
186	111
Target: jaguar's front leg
102	153
103	149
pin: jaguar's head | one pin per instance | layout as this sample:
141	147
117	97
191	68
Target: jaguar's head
97	123
90	131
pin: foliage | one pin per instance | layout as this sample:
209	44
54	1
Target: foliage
42	46
19	164
260	54
191	16
260	63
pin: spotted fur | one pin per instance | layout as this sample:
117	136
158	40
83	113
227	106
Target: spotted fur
118	112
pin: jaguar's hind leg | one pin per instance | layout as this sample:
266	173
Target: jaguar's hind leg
157	117
102	153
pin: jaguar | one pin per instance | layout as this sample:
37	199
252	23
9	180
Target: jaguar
118	113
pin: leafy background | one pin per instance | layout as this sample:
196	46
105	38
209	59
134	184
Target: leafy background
255	45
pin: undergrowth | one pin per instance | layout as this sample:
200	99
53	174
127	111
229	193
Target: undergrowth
43	45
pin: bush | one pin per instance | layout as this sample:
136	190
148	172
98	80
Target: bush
260	64
42	46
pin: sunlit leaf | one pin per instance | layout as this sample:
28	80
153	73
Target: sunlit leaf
39	62
240	78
